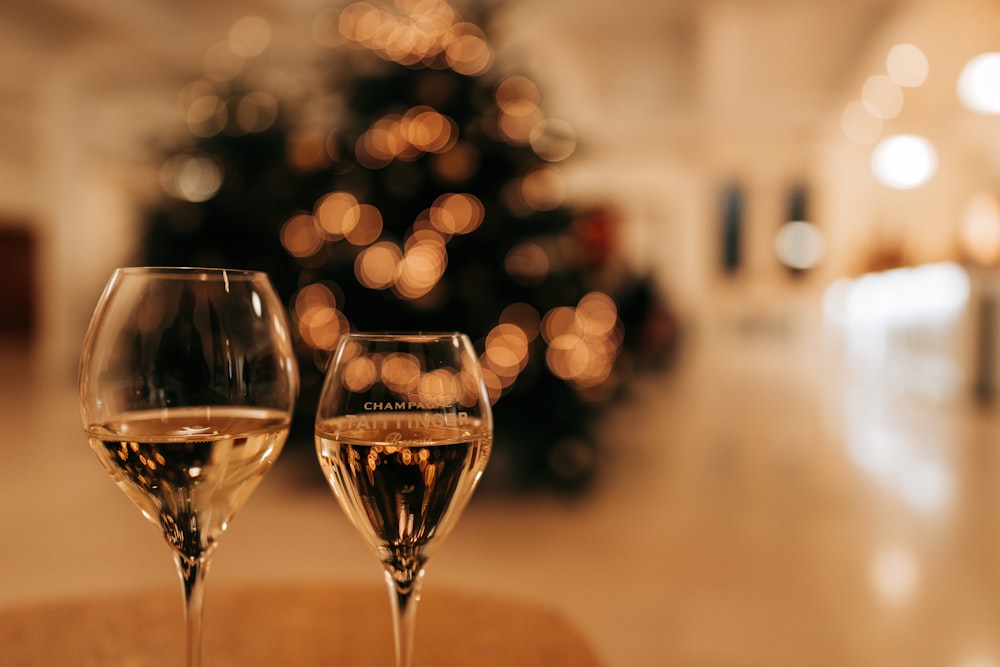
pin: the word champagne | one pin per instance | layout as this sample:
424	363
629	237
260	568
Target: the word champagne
190	469
402	478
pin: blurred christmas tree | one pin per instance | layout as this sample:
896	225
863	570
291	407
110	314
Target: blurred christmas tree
429	200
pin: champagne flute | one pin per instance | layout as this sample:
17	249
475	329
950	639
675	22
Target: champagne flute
187	384
403	432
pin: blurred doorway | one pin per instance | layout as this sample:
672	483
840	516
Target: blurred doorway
17	283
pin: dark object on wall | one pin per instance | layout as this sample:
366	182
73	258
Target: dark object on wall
732	229
17	283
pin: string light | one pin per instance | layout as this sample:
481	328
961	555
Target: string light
583	342
424	32
904	161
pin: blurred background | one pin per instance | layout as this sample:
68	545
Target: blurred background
731	266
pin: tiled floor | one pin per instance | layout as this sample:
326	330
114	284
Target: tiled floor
759	507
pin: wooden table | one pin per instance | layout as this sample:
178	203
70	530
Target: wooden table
300	625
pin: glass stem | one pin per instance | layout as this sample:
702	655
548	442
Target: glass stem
404	593
192	572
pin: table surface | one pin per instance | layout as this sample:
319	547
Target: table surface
301	624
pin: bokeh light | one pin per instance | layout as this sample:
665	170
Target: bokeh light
221	62
375	267
400	372
256	111
412	33
317	319
980	231
859	125
506	352
338	213
882	96
583	342
904	161
367	228
405	137
421	267
300	236
249	36
907	65
457	213
527	264
206	115
466	49
799	245
979	84
438	387
543	189
194	178
359	374
553	139
517	98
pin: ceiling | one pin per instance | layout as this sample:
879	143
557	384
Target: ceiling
628	73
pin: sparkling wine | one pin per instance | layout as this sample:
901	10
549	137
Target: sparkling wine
402	478
190	469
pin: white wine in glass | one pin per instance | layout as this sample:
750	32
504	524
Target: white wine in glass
403	433
187	384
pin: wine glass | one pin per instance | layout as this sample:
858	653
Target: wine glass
403	432
187	384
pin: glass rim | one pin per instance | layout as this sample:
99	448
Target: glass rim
205	271
407	336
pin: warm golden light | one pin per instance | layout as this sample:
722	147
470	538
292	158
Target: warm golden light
904	161
454	213
307	149
376	266
516	91
553	139
882	96
799	245
543	189
221	62
256	111
907	65
420	269
596	315
326	28
206	115
859	125
249	36
319	323
428	130
338	213
467	51
193	178
527	263
406	137
494	387
506	352
413	33
980	231
300	236
438	387
360	373
557	322
979	84
400	372
583	342
321	328
367	228
312	296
